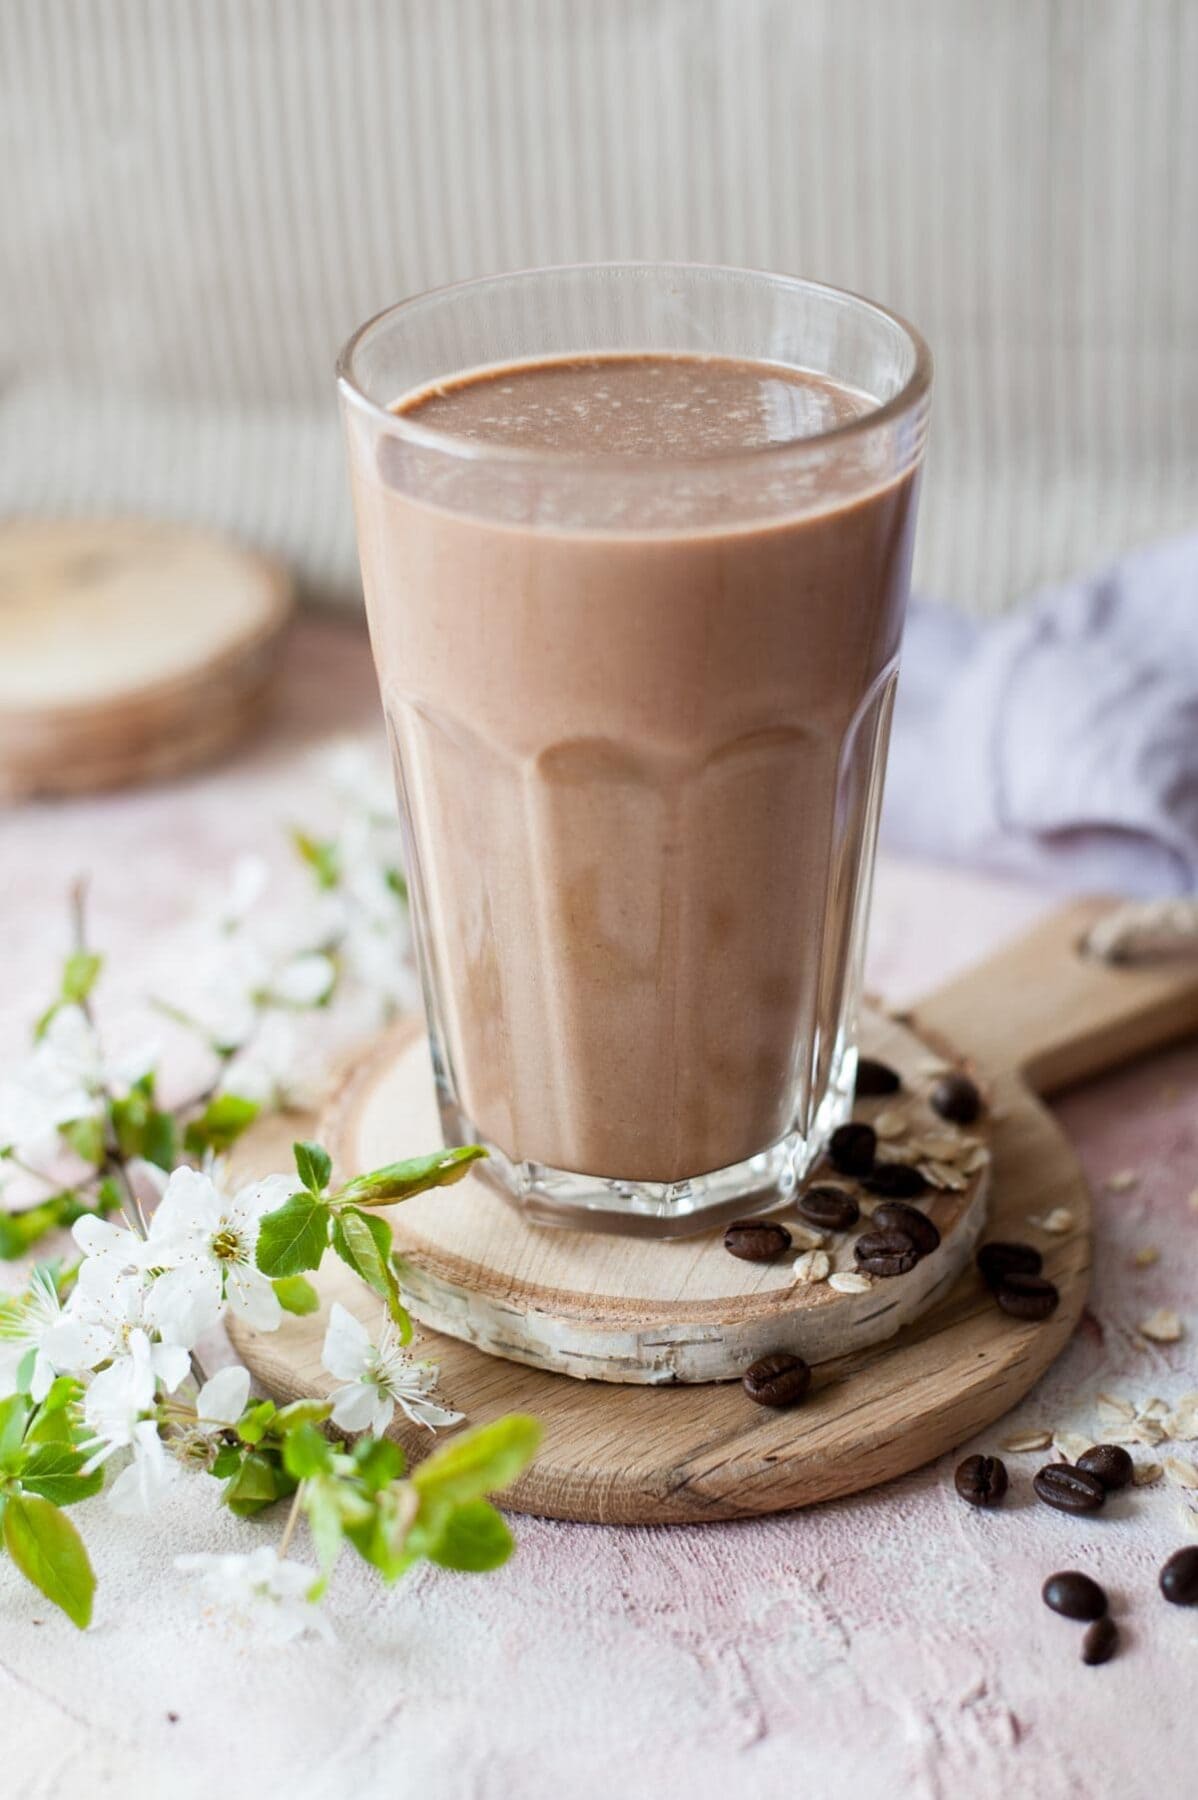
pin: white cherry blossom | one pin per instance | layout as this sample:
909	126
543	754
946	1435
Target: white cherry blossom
378	1378
218	1406
221	1400
25	1325
143	1483
263	1590
108	1323
271	1069
62	1080
208	1243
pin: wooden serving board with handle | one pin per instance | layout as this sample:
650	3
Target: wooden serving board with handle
1038	1016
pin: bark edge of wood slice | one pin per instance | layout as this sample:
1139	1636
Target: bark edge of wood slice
603	1307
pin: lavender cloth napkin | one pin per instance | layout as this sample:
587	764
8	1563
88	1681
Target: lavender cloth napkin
1062	742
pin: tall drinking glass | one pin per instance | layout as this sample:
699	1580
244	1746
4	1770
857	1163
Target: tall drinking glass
636	544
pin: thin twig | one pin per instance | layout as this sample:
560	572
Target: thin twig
115	1162
292	1521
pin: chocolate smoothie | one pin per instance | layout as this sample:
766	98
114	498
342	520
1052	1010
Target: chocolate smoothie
640	760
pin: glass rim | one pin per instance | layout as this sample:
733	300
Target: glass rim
426	437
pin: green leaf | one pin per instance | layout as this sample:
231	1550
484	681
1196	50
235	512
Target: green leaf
315	1166
14	1415
80	973
364	1245
399	1181
397	882
474	1537
306	1451
55	1471
86	1138
108	1198
381	1537
20	1230
256	1421
294	1237
56	1419
50	1553
479	1462
44	1020
159	1140
220	1124
63	1390
259	1482
302	1412
320	856
227	1462
295	1295
379	1461
141	1128
322	1505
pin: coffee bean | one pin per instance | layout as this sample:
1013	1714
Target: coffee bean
896	1181
756	1240
1027	1296
1101	1640
874	1078
885	1253
1110	1462
955	1098
1074	1595
896	1215
998	1260
829	1207
982	1480
1068	1489
777	1380
852	1148
1179	1577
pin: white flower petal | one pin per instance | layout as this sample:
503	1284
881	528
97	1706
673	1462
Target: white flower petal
347	1348
305	980
185	1302
140	1487
267	1195
264	1588
96	1237
76	1343
190	1204
171	1364
426	1412
12	1355
43	1377
249	879
221	1400
148	1181
354	1406
251	1296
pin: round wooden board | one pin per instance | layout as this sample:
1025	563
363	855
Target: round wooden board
129	650
651	1455
643	1310
648	1455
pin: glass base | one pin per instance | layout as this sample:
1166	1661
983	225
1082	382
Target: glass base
659	1209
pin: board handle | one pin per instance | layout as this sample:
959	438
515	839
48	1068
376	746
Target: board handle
1047	1009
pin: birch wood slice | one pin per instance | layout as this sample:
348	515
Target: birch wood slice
632	1309
649	1454
129	650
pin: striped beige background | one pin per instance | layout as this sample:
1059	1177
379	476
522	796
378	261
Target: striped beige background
201	198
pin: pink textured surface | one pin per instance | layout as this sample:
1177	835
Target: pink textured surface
889	1645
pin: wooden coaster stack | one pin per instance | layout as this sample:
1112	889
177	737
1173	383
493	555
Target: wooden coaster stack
129	651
